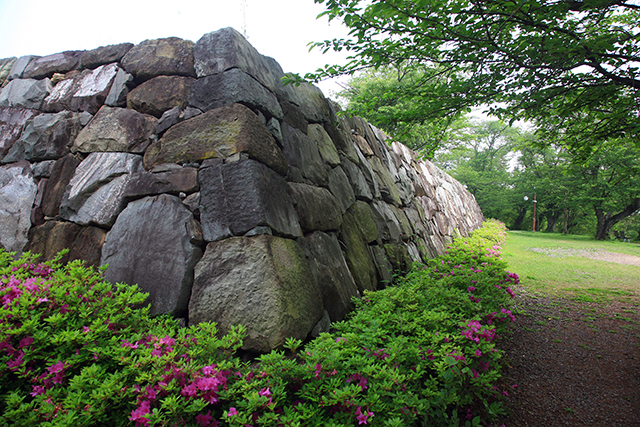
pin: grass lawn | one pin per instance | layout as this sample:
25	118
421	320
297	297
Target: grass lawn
548	263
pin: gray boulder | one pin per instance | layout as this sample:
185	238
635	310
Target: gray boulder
182	180
233	86
264	283
116	129
360	185
170	57
149	245
12	121
305	162
341	188
357	254
25	93
17	70
117	96
240	196
95	194
47	137
325	145
225	49
388	225
316	207
330	272
17	194
46	66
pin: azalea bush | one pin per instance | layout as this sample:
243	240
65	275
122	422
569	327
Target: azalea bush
75	350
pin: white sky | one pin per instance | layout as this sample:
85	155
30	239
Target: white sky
277	28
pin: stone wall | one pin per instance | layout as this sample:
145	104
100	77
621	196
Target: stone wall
192	172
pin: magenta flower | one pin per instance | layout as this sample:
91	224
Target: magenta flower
362	417
232	411
204	420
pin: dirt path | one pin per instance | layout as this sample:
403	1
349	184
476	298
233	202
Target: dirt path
596	254
575	364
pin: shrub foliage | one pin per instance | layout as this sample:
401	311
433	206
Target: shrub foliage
75	350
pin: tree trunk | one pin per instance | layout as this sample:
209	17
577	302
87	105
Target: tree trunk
552	219
517	224
608	220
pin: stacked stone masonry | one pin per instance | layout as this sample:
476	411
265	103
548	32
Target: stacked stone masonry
194	173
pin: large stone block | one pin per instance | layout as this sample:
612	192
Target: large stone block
238	197
341	188
47	137
12	121
325	145
149	245
233	86
46	66
116	129
264	283
25	93
95	194
160	94
84	243
86	91
181	180
218	133
225	49
17	193
316	207
388	225
331	273
305	162
170	57
357	254
105	55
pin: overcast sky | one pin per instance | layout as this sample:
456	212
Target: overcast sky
277	28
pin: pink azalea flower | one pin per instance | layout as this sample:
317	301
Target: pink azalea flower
232	411
362	417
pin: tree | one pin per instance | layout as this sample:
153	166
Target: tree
387	98
569	65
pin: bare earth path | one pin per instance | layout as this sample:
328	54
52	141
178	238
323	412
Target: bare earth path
575	363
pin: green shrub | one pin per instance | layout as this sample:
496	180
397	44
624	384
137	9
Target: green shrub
75	350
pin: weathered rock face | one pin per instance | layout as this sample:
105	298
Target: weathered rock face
147	157
149	245
264	283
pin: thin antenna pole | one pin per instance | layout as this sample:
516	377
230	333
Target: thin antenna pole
243	4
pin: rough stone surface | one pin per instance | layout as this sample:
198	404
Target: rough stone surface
233	86
365	220
149	245
170	57
84	243
386	183
46	66
239	196
388	225
341	188
17	193
6	65
383	266
264	283
225	49
317	208
95	194
105	55
116	129
361	188
12	121
182	180
85	92
357	254
330	272
47	137
117	96
218	133
305	162
325	145
160	94
25	93
293	116
17	70
63	171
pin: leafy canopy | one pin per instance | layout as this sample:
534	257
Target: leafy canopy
571	66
